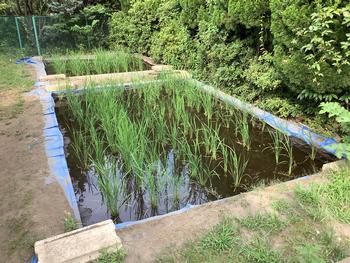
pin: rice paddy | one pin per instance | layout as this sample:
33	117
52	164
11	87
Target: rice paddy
101	62
140	152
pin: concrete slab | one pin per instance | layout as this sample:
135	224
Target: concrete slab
53	77
80	245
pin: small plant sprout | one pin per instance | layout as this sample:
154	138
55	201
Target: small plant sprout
70	223
112	185
288	147
81	148
244	131
238	167
277	144
311	143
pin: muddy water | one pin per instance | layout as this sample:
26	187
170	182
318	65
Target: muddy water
261	168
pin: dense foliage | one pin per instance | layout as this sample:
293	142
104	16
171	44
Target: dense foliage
275	53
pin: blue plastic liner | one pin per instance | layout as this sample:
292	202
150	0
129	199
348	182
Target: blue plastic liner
53	138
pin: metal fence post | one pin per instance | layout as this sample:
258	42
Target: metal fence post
36	36
18	33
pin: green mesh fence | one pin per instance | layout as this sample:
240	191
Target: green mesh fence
40	35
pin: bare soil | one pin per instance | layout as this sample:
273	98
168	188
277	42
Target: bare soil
30	208
145	242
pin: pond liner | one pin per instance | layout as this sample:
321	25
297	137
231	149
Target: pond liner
53	138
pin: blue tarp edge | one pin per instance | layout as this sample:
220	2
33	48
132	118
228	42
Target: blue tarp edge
53	138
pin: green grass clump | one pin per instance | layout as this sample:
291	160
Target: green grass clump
115	256
328	200
223	244
263	222
70	223
281	206
259	251
222	238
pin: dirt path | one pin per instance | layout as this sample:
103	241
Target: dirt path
145	242
30	209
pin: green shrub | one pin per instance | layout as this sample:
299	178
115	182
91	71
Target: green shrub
305	43
281	107
134	28
172	44
248	13
262	74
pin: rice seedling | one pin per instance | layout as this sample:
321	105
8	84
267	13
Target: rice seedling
74	105
77	66
288	147
112	185
244	130
207	103
178	104
238	167
313	152
150	181
225	149
193	161
97	148
176	183
102	62
124	61
81	148
58	64
277	144
212	141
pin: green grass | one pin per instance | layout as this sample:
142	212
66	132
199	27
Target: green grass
281	206
259	251
266	222
328	200
70	223
271	237
223	243
116	256
15	79
222	238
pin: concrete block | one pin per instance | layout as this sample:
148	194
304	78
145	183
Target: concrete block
53	77
80	245
334	166
162	68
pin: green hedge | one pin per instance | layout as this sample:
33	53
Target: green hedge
257	49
